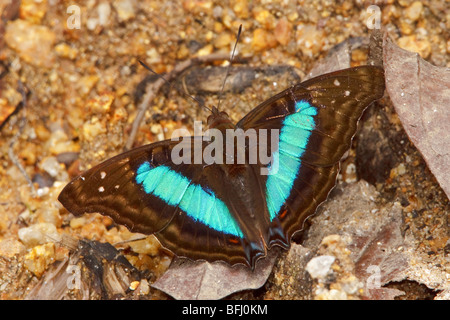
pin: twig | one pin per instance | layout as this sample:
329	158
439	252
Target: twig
22	123
153	88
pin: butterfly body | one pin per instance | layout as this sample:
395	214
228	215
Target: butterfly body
234	210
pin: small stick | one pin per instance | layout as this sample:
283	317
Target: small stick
22	123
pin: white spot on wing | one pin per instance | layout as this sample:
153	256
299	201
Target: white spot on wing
347	93
336	82
101	189
102	175
116	186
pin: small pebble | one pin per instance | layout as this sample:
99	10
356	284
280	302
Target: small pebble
144	287
217	12
33	10
42	133
264	17
50	165
59	143
67	158
38	234
34	43
149	246
78	222
241	8
104	11
263	40
102	19
43	179
125	9
406	27
10	247
223	40
415	44
101	103
92	129
309	39
414	10
39	258
86	83
64	50
208	49
283	31
319	267
133	285
49	214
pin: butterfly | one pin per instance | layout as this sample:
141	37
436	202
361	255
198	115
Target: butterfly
230	211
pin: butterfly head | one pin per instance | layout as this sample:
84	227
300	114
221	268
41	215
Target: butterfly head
219	120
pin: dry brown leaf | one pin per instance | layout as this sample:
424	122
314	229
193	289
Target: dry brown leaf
203	280
420	93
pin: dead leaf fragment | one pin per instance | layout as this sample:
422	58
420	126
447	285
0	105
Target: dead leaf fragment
188	280
420	93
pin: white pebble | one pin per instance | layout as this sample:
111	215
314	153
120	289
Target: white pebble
319	267
39	233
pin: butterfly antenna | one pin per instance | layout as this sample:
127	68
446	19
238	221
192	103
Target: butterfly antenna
228	68
201	104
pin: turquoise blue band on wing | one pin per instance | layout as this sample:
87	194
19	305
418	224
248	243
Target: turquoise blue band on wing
178	191
294	137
